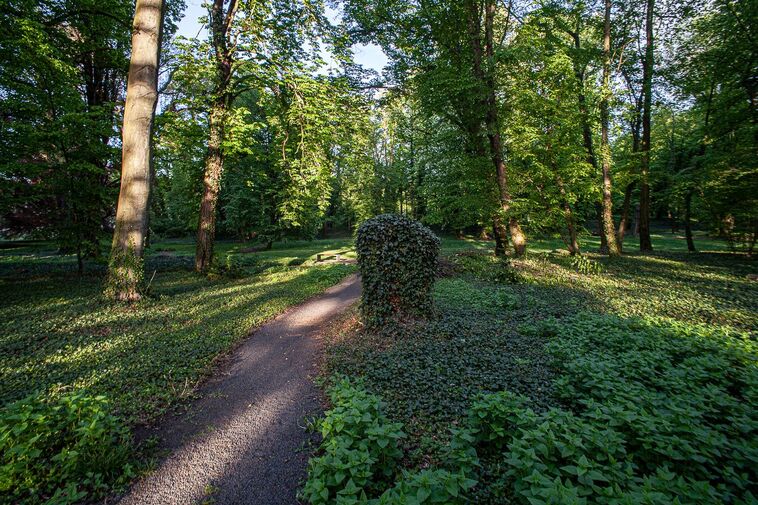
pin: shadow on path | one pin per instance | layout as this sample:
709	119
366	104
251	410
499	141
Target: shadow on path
242	442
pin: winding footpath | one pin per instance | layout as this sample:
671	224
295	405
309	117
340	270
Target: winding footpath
244	441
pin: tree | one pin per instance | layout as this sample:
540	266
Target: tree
487	77
126	268
712	72
220	24
62	66
451	66
607	213
647	93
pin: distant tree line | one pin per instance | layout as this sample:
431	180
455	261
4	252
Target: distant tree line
505	119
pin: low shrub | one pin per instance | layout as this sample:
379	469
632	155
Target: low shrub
359	449
62	450
428	487
360	456
397	257
585	265
684	397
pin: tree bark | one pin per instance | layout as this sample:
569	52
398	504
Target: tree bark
214	167
572	243
687	221
646	244
624	222
126	269
220	23
487	77
587	131
605	148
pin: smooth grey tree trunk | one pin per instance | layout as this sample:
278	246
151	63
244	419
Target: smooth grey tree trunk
126	269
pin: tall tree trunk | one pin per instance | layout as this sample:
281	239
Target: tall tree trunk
589	148
220	23
486	75
126	269
687	221
647	91
214	167
624	222
572	243
695	162
605	148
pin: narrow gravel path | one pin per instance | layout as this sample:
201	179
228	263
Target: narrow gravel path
243	441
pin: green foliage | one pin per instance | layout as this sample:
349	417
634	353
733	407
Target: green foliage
649	406
662	413
428	487
62	450
63	66
398	260
360	455
58	332
585	265
486	267
682	396
360	448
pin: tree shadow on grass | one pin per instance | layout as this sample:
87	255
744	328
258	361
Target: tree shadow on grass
140	356
242	441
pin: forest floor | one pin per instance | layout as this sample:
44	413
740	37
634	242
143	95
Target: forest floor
243	442
57	334
663	345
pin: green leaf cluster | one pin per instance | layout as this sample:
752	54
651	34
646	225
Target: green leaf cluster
360	459
62	450
658	414
585	265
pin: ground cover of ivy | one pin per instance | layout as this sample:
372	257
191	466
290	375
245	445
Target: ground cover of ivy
78	372
585	381
58	334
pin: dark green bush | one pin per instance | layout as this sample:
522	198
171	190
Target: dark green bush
61	451
397	257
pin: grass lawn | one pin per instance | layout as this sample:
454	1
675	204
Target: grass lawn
57	333
634	379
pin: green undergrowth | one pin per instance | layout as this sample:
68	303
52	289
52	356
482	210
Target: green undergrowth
78	371
619	382
59	335
359	460
62	450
